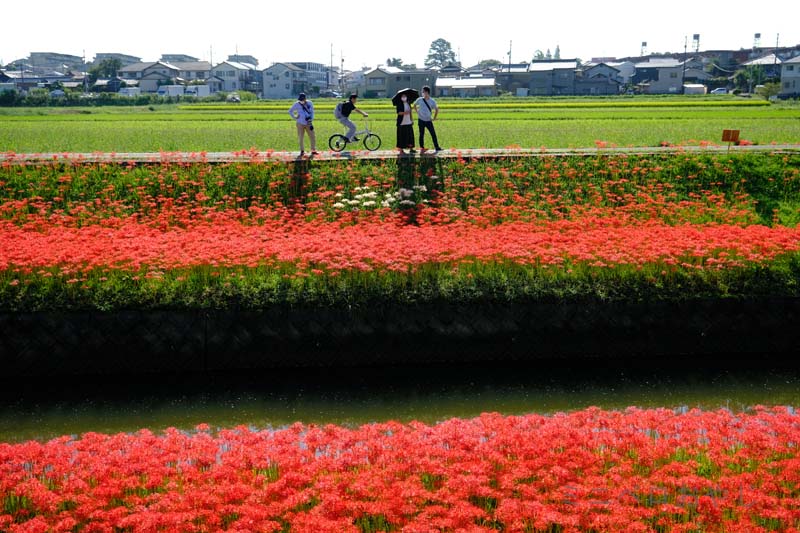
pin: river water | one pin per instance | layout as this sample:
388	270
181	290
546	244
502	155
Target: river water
43	409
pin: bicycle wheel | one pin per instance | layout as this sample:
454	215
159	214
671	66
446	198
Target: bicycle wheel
337	142
372	142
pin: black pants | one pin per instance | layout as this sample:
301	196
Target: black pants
405	136
427	124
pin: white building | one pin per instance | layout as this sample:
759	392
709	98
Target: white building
237	76
283	80
465	87
790	77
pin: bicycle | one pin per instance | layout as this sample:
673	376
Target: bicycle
372	141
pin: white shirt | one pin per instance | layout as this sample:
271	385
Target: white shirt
423	113
406	118
302	116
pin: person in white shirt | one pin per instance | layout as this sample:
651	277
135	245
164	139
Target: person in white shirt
427	111
303	112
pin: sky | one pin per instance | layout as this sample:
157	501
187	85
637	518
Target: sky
359	34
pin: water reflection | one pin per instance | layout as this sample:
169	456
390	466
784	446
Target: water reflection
355	396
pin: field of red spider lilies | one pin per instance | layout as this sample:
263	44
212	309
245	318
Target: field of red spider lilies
106	235
177	235
591	470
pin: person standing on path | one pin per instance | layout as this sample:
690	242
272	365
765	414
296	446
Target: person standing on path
427	111
405	125
303	113
348	107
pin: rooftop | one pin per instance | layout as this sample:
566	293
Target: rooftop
769	59
544	66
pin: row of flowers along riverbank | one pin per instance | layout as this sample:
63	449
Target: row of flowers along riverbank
589	470
77	235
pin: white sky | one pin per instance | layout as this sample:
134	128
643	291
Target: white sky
366	33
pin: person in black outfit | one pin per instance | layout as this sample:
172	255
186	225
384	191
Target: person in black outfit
405	125
347	108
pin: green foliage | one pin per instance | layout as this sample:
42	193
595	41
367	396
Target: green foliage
440	54
369	523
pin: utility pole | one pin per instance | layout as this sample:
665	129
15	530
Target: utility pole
683	74
84	71
509	56
330	72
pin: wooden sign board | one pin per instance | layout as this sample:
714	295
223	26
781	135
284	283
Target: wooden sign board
730	136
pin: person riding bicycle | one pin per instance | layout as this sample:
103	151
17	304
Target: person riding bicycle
342	113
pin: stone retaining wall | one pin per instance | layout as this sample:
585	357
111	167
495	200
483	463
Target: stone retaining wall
136	342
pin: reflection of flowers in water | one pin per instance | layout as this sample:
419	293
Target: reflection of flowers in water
367	198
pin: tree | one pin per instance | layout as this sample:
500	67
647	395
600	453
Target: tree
394	62
557	54
749	77
548	55
440	54
107	68
769	90
489	63
538	55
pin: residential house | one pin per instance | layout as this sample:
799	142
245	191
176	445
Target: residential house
514	77
193	71
149	75
469	86
354	81
770	63
237	76
552	77
384	82
283	80
287	80
626	70
790	78
694	72
317	75
659	76
157	74
23	79
598	79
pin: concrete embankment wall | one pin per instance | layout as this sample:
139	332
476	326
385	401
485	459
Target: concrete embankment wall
165	341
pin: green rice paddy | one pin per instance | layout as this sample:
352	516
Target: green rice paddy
492	123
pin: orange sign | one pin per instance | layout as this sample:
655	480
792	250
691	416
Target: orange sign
730	136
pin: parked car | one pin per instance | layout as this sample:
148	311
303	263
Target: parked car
719	90
234	97
330	94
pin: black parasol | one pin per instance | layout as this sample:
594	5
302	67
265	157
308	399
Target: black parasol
411	94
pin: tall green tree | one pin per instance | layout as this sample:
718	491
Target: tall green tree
394	62
440	54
